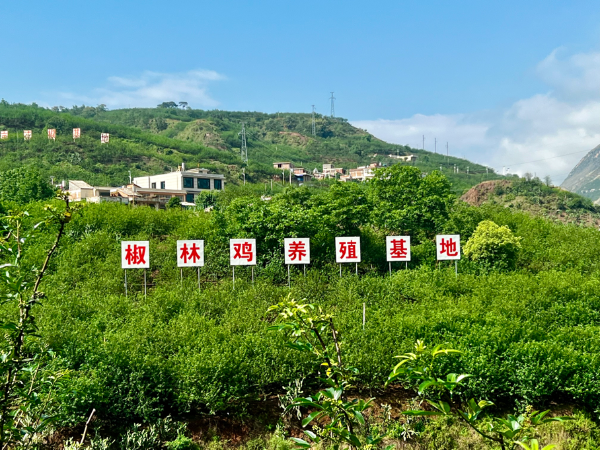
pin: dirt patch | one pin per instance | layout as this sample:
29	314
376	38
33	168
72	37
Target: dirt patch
482	192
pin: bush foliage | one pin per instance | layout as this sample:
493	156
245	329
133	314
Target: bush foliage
528	335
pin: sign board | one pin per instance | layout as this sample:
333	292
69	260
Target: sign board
76	133
296	250
190	253
447	247
27	135
3	134
397	248
135	254
347	249
242	252
52	133
104	138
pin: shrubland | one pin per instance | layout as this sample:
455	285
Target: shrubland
527	332
148	141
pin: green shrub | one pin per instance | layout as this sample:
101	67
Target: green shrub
493	245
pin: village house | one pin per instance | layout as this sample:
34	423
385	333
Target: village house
283	165
189	182
80	190
405	158
154	190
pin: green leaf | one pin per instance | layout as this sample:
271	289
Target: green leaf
301	442
416	412
354	440
311	417
427	383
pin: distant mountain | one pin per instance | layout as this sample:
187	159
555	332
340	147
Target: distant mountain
584	179
147	141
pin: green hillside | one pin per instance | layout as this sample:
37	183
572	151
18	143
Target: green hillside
153	140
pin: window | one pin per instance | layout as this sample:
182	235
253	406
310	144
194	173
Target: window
162	185
104	193
203	183
188	183
189	198
153	185
218	184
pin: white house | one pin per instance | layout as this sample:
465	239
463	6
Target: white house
192	181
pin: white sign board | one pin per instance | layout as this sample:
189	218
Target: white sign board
296	250
3	134
27	135
76	133
447	247
242	252
104	138
347	249
52	133
135	254
397	248
190	253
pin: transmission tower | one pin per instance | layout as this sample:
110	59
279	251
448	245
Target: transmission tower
332	106
314	130
244	148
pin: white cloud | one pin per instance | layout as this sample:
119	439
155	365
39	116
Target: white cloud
152	88
546	134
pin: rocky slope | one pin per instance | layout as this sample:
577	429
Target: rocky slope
584	179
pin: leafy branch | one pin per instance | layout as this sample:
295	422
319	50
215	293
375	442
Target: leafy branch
20	363
442	394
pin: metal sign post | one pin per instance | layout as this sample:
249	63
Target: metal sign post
448	249
190	253
397	248
347	250
242	252
135	255
296	251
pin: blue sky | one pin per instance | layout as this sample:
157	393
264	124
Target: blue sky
481	75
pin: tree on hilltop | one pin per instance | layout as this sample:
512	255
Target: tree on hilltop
167	105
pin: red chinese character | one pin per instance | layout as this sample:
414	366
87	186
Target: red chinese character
191	253
398	249
135	256
348	250
448	247
243	251
296	250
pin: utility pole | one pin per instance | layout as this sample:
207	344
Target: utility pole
314	130
447	154
244	148
435	145
423	142
332	98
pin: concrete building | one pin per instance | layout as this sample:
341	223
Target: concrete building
283	165
152	197
191	182
405	158
79	190
331	172
301	175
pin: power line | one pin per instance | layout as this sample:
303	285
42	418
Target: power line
551	157
332	98
244	150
